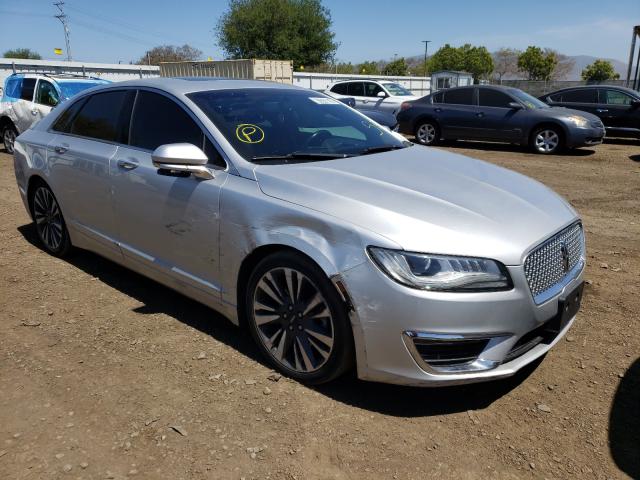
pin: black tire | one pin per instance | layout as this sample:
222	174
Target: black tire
49	222
547	140
9	134
292	336
427	132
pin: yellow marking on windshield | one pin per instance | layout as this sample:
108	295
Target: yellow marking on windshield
249	133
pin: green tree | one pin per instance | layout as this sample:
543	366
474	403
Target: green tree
22	53
600	71
368	68
170	53
468	58
297	30
396	68
344	67
537	64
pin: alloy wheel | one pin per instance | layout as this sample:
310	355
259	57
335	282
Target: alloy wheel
293	320
547	141
9	139
48	218
426	133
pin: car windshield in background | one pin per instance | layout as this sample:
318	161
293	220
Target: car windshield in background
528	100
265	124
69	89
397	90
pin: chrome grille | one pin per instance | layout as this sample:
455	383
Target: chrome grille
546	266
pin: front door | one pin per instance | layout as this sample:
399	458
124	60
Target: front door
46	98
497	120
168	224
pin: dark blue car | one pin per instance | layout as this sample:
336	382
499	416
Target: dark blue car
497	114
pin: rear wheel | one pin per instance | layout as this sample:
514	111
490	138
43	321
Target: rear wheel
298	320
546	140
9	134
50	226
427	133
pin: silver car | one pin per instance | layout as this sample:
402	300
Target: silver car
334	242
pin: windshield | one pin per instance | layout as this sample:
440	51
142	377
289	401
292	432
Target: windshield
528	100
69	89
274	122
397	90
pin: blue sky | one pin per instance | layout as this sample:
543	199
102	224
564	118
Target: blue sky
121	30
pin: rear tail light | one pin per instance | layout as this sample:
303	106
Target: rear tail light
405	106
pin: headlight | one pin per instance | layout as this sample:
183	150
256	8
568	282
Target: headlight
439	272
578	121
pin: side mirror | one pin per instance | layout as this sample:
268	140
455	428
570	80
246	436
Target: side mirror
381	94
182	157
515	106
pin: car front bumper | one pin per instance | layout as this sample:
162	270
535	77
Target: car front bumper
388	320
584	137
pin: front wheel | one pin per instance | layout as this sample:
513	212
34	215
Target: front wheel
546	140
9	134
298	320
427	133
50	226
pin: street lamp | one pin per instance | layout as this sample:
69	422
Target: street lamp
426	49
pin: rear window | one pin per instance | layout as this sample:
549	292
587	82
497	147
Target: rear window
438	97
356	89
583	95
28	87
102	116
340	89
63	123
462	96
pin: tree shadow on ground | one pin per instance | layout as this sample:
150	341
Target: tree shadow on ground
387	399
624	423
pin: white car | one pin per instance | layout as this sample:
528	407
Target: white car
28	97
372	94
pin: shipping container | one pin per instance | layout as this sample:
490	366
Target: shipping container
280	71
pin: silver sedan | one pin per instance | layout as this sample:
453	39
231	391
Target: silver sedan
334	242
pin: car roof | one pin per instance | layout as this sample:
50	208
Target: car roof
599	85
184	85
58	77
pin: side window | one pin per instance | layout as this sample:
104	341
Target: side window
63	123
583	95
13	88
459	96
556	97
340	89
28	86
438	97
355	89
46	94
158	120
615	97
371	89
103	116
487	97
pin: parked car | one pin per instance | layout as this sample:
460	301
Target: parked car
383	118
28	97
333	241
499	114
617	107
372	94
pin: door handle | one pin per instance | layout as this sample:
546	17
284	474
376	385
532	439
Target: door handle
480	114
127	164
601	110
60	149
437	110
34	112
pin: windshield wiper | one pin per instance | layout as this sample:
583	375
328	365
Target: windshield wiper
300	156
382	148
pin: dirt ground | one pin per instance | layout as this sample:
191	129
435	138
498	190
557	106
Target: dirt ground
105	374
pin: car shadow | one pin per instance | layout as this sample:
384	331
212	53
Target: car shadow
376	397
622	141
507	147
635	158
624	423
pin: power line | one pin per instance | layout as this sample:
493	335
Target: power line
63	19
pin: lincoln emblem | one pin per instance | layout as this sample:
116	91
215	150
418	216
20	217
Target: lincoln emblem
564	252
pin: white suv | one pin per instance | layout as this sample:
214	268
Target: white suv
372	94
27	97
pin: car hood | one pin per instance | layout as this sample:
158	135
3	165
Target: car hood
427	200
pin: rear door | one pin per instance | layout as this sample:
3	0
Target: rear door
356	91
619	110
497	120
458	113
167	223
79	156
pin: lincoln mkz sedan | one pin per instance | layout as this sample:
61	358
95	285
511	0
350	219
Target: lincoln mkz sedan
334	242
